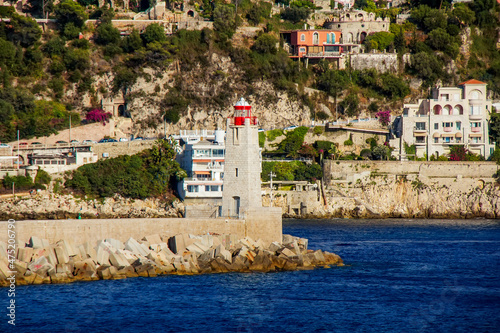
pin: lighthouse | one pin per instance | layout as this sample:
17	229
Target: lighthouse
242	184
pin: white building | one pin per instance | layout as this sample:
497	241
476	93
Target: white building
203	161
454	116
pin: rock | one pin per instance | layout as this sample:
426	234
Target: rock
68	247
275	247
38	264
219	265
103	272
288	253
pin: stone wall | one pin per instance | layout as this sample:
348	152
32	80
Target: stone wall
382	62
115	149
258	223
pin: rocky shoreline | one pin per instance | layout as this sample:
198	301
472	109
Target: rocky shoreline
39	262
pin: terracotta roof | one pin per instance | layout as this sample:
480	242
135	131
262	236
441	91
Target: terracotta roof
473	81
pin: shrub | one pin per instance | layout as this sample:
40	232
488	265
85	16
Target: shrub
349	142
318	130
273	134
458	153
262	139
20	182
384	117
98	115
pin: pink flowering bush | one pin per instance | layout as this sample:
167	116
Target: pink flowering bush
384	117
98	115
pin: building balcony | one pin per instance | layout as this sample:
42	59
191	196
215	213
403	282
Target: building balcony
447	129
322	54
475	129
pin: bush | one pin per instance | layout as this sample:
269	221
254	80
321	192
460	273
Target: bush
149	173
366	153
20	182
291	171
98	115
318	130
349	142
293	141
42	177
295	14
273	134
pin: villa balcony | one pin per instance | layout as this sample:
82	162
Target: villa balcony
447	129
475	129
322	54
475	116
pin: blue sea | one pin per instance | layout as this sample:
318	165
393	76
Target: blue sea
400	276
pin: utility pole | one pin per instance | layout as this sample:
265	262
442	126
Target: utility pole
271	175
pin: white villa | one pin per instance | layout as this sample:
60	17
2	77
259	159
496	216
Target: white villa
203	160
454	116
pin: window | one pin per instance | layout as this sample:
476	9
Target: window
458	140
302	37
436	126
201	152
84	160
420	126
302	49
218	153
436	140
446	139
459	125
420	139
332	38
447	124
202	177
315	38
475	110
193	188
214	188
476	140
328	38
475	125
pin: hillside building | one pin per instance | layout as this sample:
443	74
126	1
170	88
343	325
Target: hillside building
454	116
203	160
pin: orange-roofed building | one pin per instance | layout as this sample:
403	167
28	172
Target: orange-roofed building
316	44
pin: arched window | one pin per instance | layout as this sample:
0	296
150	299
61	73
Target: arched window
437	109
458	110
303	38
474	94
315	38
447	110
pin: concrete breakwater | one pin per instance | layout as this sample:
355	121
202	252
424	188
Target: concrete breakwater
39	262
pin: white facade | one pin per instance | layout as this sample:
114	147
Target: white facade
454	116
204	164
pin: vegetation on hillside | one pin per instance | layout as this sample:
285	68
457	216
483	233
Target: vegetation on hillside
149	173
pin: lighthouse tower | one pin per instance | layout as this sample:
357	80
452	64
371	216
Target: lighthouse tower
242	184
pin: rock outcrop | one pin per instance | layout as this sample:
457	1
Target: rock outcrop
39	262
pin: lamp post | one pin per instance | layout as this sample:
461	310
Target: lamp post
271	175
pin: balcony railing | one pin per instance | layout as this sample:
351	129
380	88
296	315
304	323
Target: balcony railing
475	129
447	129
322	54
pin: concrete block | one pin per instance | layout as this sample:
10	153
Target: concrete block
50	254
115	243
24	254
288	253
35	242
207	256
158	258
197	248
176	243
129	256
38	264
226	255
216	241
20	267
275	247
103	250
68	246
37	253
62	255
118	260
207	240
133	246
169	254
104	273
90	252
287	239
155	247
153	239
4	269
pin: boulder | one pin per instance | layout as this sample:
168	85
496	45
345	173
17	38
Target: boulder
135	247
219	265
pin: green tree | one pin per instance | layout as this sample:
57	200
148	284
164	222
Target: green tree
107	34
39	8
427	67
7	129
333	82
464	14
154	33
265	44
295	14
23	31
70	12
382	39
132	42
7	54
350	105
224	22
494	128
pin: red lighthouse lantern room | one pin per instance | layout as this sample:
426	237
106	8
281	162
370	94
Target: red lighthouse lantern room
242	111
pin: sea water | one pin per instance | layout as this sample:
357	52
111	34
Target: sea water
400	276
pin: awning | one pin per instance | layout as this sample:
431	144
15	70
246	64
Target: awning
201	160
202	172
458	135
436	135
475	135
